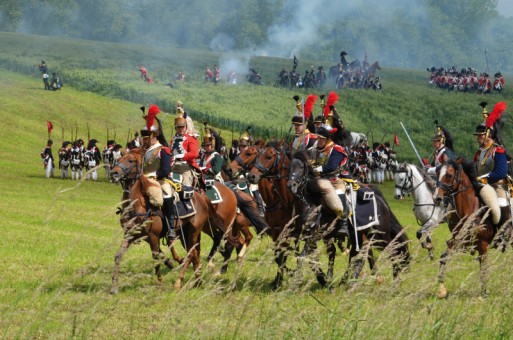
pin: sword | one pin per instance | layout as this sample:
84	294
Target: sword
413	145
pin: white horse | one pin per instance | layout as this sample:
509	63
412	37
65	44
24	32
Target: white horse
409	180
357	138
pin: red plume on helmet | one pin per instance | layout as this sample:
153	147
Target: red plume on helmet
332	98
494	116
152	113
309	104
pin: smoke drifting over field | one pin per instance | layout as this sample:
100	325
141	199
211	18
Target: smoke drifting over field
398	33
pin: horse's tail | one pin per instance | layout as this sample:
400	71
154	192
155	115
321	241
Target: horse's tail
397	233
251	213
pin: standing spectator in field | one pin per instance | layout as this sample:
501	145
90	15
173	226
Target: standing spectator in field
43	68
144	73
217	75
208	74
45	81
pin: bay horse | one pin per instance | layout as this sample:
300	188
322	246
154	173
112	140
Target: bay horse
474	230
141	221
224	221
387	235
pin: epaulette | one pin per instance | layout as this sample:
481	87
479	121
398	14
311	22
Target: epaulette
339	148
166	150
499	149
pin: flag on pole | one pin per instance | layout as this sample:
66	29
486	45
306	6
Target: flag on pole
50	127
396	140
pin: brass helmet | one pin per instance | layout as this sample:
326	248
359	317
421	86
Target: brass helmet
180	119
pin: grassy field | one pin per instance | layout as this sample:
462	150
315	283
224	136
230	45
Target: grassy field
59	239
111	70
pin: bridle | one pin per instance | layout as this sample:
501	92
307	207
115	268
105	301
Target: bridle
266	171
300	180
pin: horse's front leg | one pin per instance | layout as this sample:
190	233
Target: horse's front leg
483	261
117	262
444	258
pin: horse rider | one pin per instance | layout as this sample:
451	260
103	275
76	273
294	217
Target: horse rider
244	144
303	138
442	142
48	161
157	164
185	150
492	163
211	161
329	158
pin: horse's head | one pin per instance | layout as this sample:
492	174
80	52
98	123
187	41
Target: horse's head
243	161
266	162
127	167
448	182
298	174
403	178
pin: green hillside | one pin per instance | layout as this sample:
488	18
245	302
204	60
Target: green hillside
59	239
111	70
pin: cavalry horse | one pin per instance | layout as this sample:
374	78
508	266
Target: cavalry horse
409	180
387	234
475	228
269	171
141	221
220	217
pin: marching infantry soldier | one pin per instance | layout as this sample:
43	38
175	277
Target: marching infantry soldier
64	157
157	165
107	157
92	159
185	149
491	163
211	161
329	158
48	161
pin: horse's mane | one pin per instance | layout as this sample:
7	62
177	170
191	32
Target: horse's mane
303	157
273	143
468	167
430	182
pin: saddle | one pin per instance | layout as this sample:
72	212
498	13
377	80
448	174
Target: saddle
365	210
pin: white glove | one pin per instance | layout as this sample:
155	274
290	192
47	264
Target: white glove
318	169
431	171
179	156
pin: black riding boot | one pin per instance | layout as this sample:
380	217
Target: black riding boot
259	202
342	223
169	217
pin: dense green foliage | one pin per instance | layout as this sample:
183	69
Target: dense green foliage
112	70
59	239
400	33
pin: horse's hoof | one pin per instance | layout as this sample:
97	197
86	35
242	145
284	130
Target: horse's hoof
178	285
442	292
113	291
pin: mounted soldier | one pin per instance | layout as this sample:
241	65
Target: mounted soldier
444	150
185	148
157	166
491	161
211	162
303	138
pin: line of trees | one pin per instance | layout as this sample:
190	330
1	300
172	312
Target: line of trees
400	33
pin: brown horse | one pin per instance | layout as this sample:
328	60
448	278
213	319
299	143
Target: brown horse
371	70
141	221
224	220
474	229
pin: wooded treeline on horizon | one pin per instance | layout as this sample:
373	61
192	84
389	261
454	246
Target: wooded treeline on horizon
398	33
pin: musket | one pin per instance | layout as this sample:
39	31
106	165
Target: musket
128	136
76	130
114	135
88	133
412	145
486	57
62	130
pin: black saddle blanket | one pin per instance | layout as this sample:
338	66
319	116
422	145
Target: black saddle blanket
185	208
